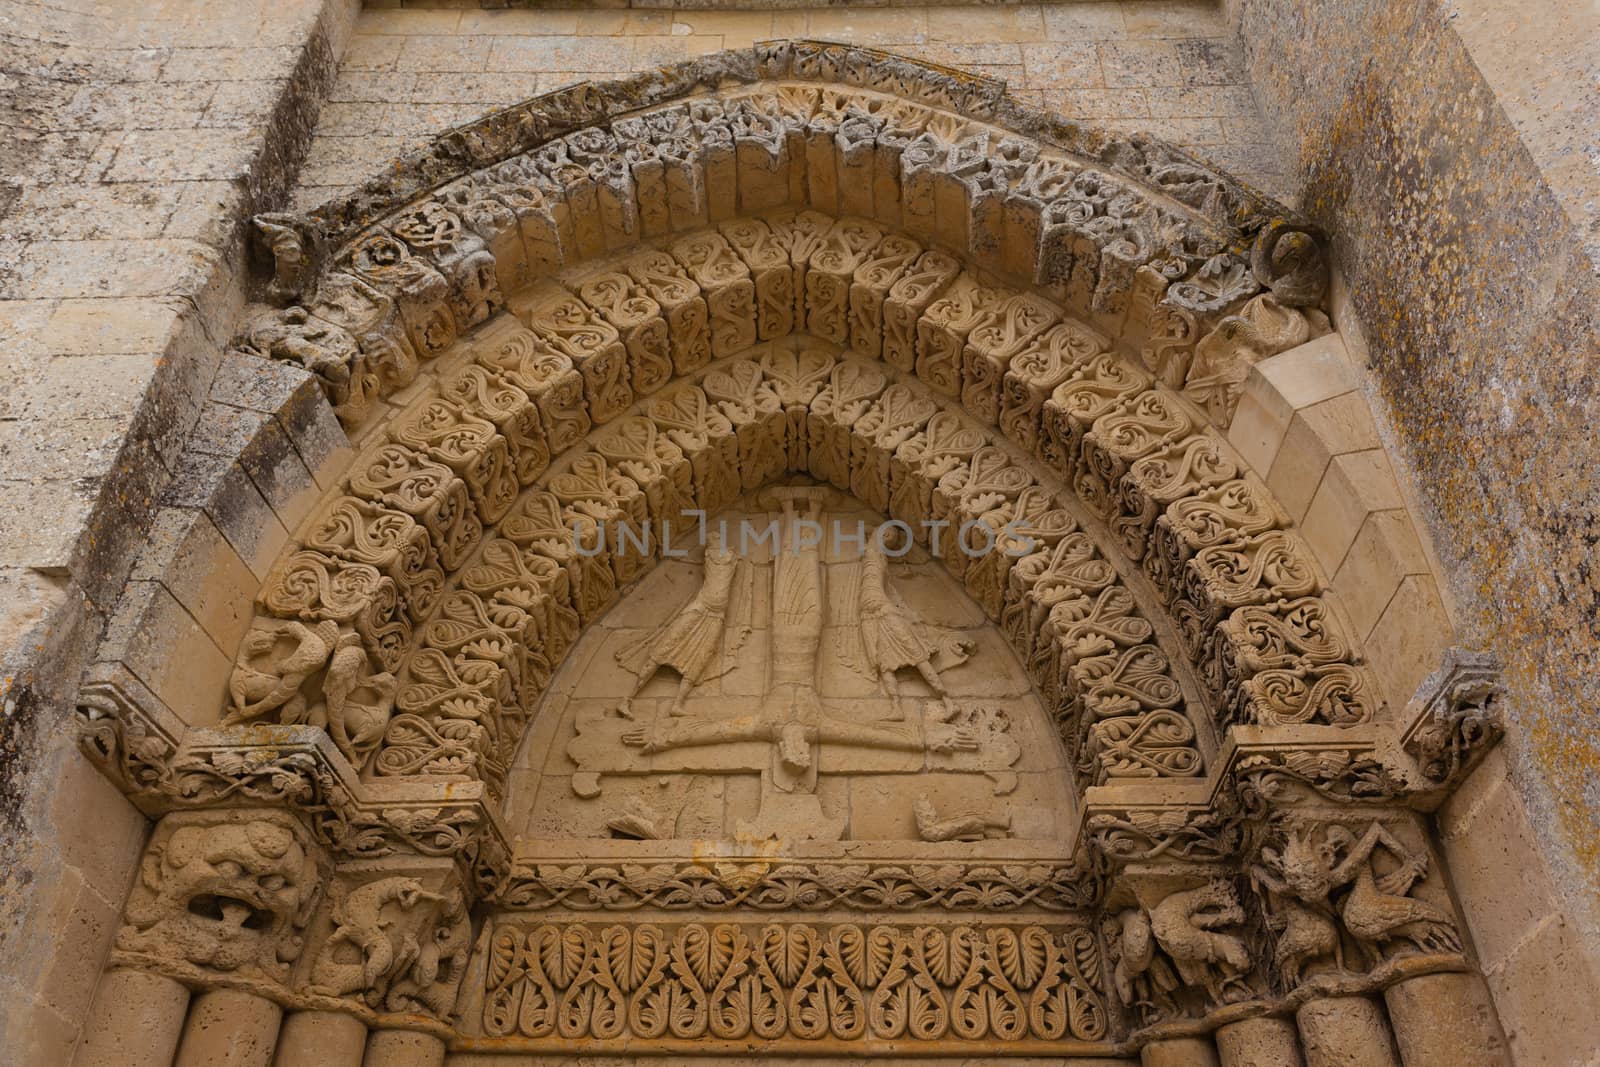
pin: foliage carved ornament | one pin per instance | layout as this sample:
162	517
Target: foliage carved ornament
827	262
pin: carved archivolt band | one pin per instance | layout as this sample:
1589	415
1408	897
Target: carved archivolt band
437	674
655	296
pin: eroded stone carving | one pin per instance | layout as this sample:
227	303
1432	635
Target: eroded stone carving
1329	902
1455	718
227	892
697	642
396	944
1182	954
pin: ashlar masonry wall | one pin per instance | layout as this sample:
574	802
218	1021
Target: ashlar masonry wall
136	140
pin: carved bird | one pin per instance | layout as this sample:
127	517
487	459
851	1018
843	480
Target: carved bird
1383	913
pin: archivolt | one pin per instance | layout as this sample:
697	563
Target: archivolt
983	282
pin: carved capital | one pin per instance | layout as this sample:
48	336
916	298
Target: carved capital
223	895
392	938
794	987
1454	718
1181	942
1353	898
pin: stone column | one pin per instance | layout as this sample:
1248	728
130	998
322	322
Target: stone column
136	1020
1346	1032
403	1048
230	1028
1446	1020
1260	1042
1179	1052
321	1039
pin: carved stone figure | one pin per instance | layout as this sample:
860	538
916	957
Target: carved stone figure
275	683
965	826
1175	958
889	638
1326	871
430	984
697	642
377	922
789	719
318	675
392	942
226	891
1187	924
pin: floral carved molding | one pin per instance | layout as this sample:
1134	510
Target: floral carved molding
816	262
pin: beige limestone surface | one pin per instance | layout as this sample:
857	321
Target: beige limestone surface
1166	68
173	148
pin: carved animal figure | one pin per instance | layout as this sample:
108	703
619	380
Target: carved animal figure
355	725
1186	924
1223	357
1141	974
1315	863
258	690
430	983
967	826
1303	935
384	937
231	896
1378	910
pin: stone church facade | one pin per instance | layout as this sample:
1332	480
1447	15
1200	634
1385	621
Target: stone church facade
1056	534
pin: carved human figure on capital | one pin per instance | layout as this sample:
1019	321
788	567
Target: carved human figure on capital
1321	871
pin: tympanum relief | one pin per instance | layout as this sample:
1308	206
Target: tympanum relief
798	678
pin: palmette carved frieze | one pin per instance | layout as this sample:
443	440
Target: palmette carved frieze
800	982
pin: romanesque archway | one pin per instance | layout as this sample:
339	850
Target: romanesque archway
800	263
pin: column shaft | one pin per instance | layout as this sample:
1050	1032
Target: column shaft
1260	1043
1346	1032
1446	1020
1179	1052
403	1048
228	1028
321	1039
136	1020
